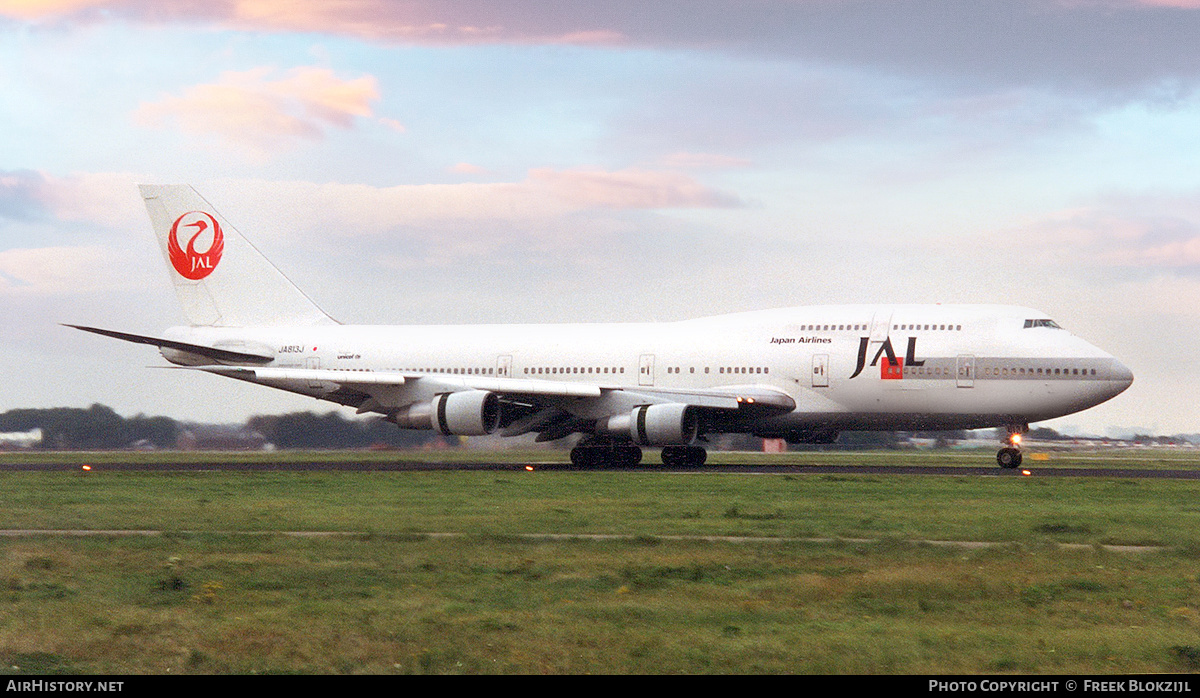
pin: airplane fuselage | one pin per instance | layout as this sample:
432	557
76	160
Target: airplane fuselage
846	367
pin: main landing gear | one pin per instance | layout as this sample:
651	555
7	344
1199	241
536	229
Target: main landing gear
603	453
1010	456
683	456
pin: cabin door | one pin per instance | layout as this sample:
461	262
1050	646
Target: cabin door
313	363
965	375
646	369
820	371
504	366
881	325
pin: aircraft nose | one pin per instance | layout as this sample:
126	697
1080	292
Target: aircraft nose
1120	373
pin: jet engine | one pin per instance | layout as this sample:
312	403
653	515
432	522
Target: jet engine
465	413
655	425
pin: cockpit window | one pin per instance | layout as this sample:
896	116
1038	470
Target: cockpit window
1042	323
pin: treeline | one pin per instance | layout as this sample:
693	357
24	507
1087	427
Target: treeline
332	430
99	427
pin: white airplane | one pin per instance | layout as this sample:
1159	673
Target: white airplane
801	374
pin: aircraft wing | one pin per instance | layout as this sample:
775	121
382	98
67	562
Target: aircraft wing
361	383
731	397
364	379
354	388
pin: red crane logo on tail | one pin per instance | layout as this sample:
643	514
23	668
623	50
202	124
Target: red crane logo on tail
189	263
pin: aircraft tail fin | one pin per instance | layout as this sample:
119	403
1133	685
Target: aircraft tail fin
219	277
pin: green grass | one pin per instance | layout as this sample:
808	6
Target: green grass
387	604
1008	509
218	592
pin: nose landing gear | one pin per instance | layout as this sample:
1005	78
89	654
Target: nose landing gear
1010	456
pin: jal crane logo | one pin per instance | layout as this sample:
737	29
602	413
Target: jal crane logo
190	263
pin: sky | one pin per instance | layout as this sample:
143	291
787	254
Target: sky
471	161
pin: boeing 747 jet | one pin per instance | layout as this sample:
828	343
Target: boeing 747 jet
803	374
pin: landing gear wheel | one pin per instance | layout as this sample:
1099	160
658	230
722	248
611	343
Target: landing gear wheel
626	456
605	455
683	456
585	456
1008	457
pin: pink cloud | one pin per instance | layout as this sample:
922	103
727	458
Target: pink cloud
361	209
1154	232
383	20
249	109
393	124
1111	4
41	9
104	198
596	37
630	188
466	168
1182	4
1180	253
59	270
703	161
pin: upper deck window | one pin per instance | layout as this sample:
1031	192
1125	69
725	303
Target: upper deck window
1042	323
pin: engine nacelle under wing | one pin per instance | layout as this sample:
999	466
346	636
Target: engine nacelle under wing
463	413
656	425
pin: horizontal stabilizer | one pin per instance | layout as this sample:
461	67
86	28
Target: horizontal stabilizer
215	353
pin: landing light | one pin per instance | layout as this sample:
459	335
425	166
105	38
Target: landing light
86	468
1014	439
529	468
1026	472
